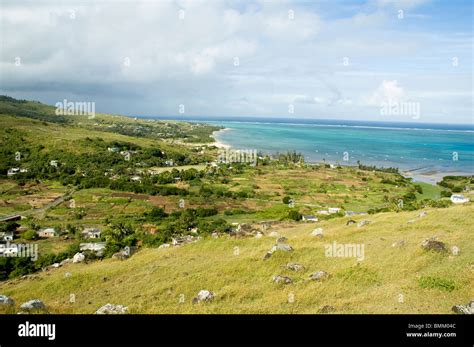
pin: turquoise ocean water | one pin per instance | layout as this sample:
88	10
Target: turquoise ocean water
436	148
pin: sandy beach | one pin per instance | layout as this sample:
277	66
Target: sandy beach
217	142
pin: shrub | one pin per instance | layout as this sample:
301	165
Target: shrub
437	283
446	194
294	215
30	235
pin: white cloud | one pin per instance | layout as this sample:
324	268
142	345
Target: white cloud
282	59
388	90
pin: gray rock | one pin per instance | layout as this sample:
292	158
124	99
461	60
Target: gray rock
52	266
319	276
363	223
258	235
215	235
164	245
464	309
422	214
35	304
282	279
66	261
400	243
204	296
350	222
123	254
431	244
317	232
5	300
267	255
294	267
327	309
78	258
112	309
282	239
282	247
455	250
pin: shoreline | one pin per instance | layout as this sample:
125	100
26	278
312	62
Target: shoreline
416	174
217	141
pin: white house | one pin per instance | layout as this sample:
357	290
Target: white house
310	219
458	199
48	232
334	209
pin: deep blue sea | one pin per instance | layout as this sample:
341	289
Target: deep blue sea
422	147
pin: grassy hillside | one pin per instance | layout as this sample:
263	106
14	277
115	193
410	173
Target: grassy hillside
389	280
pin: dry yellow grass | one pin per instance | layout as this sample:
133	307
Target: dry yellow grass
386	281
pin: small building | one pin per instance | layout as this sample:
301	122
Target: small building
91	233
334	210
169	162
459	199
323	212
48	232
309	219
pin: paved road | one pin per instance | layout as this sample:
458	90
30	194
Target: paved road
34	211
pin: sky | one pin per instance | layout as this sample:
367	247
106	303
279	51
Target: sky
378	60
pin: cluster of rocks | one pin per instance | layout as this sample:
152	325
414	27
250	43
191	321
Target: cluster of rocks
432	244
204	296
279	246
318	276
183	240
464	309
244	230
112	309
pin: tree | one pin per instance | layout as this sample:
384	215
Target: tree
294	215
